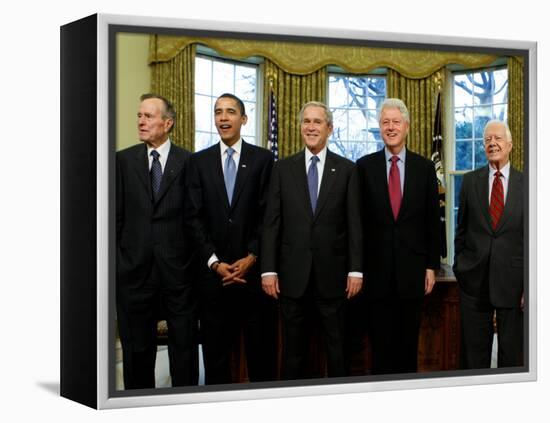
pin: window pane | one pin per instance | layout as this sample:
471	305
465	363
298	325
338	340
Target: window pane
463	159
463	91
203	113
337	92
482	115
479	153
245	83
357	126
501	86
354	101
250	128
203	76
224	78
340	123
463	123
213	78
500	112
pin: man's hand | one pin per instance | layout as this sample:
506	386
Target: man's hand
270	285
354	286
227	273
241	268
429	281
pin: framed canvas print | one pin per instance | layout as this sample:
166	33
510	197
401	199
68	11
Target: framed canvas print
189	275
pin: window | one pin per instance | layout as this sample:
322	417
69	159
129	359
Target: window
477	98
214	77
354	101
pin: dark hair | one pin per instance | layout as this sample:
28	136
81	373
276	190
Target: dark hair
169	111
237	100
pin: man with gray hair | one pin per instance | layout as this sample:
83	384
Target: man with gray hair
311	244
400	209
489	255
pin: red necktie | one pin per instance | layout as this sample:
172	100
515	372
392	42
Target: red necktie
496	206
394	185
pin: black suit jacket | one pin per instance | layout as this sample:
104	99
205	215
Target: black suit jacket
480	250
399	251
231	231
151	232
296	241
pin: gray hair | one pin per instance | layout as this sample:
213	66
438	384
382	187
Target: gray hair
328	113
496	121
395	103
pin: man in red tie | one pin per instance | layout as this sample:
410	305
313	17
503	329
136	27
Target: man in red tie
489	256
401	237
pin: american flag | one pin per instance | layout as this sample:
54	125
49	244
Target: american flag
273	138
437	158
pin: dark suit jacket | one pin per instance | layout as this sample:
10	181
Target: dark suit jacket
296	241
399	251
150	232
231	231
479	248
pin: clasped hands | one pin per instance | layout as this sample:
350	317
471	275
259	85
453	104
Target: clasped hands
235	272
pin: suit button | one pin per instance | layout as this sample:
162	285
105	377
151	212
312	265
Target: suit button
230	220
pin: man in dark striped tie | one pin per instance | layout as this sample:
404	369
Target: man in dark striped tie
489	256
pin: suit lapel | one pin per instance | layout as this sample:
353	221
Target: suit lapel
381	175
141	163
242	171
330	173
299	173
512	197
482	189
214	162
408	183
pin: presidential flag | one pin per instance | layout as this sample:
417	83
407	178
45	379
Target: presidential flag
437	158
272	138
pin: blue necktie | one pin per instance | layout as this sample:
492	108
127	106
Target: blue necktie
313	182
156	173
229	174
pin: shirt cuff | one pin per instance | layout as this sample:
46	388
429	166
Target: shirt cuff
213	259
269	274
356	275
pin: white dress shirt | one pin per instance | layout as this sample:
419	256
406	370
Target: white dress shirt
163	150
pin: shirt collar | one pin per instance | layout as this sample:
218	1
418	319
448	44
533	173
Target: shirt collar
163	149
505	170
237	147
401	154
322	155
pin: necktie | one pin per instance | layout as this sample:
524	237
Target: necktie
229	174
313	182
394	185
496	206
156	173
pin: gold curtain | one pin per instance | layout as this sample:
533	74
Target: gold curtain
300	58
291	92
420	97
175	80
515	109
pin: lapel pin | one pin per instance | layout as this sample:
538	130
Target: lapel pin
333	170
243	165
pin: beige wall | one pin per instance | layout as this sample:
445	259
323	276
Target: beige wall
133	79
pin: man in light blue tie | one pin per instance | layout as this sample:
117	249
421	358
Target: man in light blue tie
227	192
311	245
